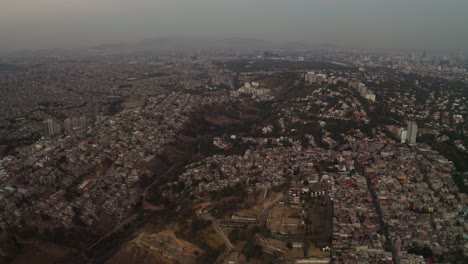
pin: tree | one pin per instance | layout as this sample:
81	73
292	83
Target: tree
252	250
234	235
424	251
198	224
180	186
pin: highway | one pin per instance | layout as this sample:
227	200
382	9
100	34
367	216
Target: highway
262	217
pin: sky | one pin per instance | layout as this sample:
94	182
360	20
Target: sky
440	25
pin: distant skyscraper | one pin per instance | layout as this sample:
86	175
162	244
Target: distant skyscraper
75	123
412	133
51	128
67	124
321	78
83	122
48	129
313	78
403	135
310	77
57	128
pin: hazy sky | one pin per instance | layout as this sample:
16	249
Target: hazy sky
422	24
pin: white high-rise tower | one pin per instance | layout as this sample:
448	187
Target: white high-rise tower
412	133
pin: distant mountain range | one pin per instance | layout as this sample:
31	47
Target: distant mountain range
186	43
173	44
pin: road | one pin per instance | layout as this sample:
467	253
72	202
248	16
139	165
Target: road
221	233
383	225
262	217
215	224
216	227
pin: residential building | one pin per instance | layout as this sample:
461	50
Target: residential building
412	133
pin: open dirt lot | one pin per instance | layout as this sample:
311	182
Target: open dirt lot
162	247
285	220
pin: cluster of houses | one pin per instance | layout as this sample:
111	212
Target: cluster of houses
103	164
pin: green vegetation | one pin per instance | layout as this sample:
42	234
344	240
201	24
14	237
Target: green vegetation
224	209
252	250
211	254
198	224
424	251
427	138
234	235
238	191
266	65
459	181
451	153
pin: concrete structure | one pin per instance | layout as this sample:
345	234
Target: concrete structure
294	195
321	78
75	123
67	124
370	96
412	133
48	128
403	135
51	128
83	122
253	89
310	77
313	78
363	90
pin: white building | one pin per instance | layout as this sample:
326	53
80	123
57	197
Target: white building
370	96
253	89
403	135
321	78
310	77
412	133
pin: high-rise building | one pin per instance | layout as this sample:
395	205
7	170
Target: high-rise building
51	128
67	124
412	133
370	96
57	128
403	134
310	77
362	89
83	122
75	123
321	78
48	128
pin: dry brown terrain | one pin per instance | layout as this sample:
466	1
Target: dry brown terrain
285	220
186	139
163	247
133	253
40	252
220	120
